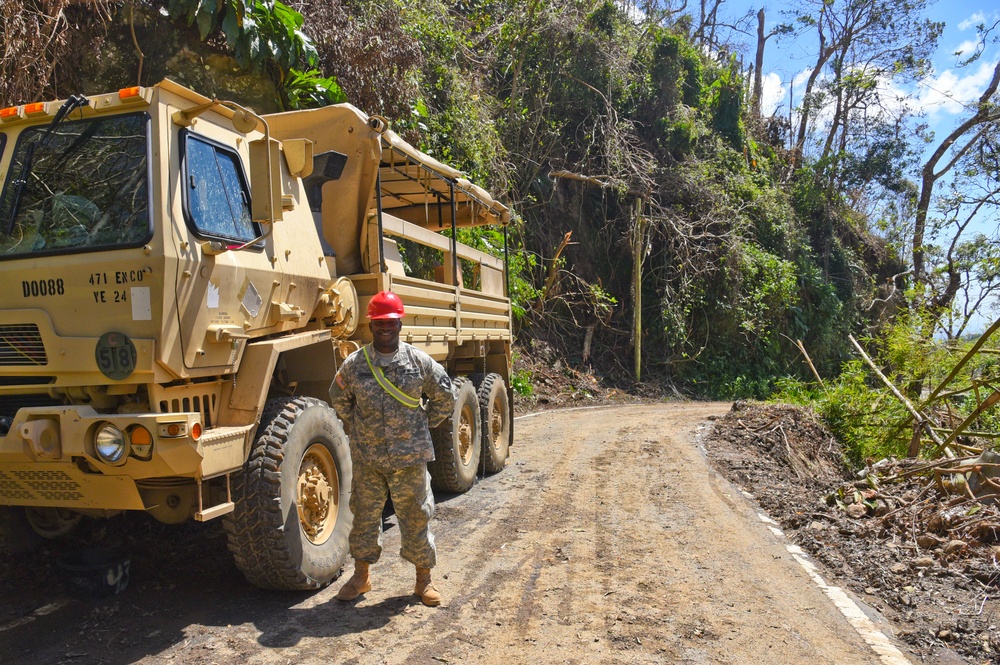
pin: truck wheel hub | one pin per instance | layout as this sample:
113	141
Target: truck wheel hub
496	424
465	436
317	493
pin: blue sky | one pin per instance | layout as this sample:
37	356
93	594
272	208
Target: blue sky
941	97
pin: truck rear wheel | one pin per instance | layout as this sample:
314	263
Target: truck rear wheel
457	443
290	526
495	411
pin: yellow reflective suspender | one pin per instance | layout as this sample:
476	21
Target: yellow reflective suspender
388	386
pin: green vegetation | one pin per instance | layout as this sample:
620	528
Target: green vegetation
639	167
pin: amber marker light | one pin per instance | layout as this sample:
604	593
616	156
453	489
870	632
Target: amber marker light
141	441
9	113
36	108
172	430
196	431
129	94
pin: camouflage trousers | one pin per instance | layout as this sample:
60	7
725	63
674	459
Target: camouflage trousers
410	489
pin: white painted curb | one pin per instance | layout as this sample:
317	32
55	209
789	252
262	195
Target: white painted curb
876	639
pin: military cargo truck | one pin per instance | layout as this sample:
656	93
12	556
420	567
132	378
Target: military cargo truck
181	278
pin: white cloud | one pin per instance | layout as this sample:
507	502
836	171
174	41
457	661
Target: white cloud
951	91
773	96
799	79
972	21
968	47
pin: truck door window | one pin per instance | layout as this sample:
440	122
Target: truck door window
217	201
86	189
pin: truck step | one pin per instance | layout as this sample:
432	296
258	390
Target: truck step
214	511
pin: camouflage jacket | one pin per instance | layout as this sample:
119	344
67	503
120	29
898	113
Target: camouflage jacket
383	432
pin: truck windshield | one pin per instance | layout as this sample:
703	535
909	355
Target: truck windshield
87	188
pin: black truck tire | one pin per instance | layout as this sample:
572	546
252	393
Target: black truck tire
457	443
494	408
292	519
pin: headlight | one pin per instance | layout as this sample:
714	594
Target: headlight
110	444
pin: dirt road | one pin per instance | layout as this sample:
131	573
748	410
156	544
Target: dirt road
606	540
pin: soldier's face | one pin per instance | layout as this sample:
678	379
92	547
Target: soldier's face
386	334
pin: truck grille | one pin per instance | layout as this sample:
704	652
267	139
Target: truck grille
48	485
21	344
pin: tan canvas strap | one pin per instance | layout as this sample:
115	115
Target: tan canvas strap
388	386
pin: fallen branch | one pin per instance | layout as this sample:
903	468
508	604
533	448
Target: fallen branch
553	273
920	419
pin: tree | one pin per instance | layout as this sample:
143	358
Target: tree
862	44
880	41
758	63
973	139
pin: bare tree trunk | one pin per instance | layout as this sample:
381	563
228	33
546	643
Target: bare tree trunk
839	122
705	32
821	60
758	67
834	123
515	79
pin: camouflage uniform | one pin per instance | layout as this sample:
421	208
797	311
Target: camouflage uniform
390	447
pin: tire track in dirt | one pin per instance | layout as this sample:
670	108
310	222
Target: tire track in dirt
521	542
606	539
617	542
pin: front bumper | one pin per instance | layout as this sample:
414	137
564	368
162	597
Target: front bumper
47	458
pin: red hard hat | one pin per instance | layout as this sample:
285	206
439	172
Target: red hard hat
385	305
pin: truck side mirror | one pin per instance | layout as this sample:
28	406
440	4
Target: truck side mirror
265	204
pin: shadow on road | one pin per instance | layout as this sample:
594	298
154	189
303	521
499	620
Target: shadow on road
183	587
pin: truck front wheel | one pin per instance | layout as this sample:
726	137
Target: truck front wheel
457	443
291	522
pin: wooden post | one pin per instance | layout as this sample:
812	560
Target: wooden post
638	249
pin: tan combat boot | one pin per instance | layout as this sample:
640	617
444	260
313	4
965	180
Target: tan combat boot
358	584
429	596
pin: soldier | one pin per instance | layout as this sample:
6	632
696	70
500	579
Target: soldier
389	394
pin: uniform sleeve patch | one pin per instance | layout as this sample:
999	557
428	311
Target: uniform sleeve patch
339	380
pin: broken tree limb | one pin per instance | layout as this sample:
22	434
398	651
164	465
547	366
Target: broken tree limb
802	348
603	181
920	419
599	180
961	363
553	272
915	471
972	417
588	339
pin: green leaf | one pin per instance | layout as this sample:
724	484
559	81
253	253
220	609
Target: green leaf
205	23
231	26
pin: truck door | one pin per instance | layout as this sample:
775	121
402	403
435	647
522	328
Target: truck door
225	278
